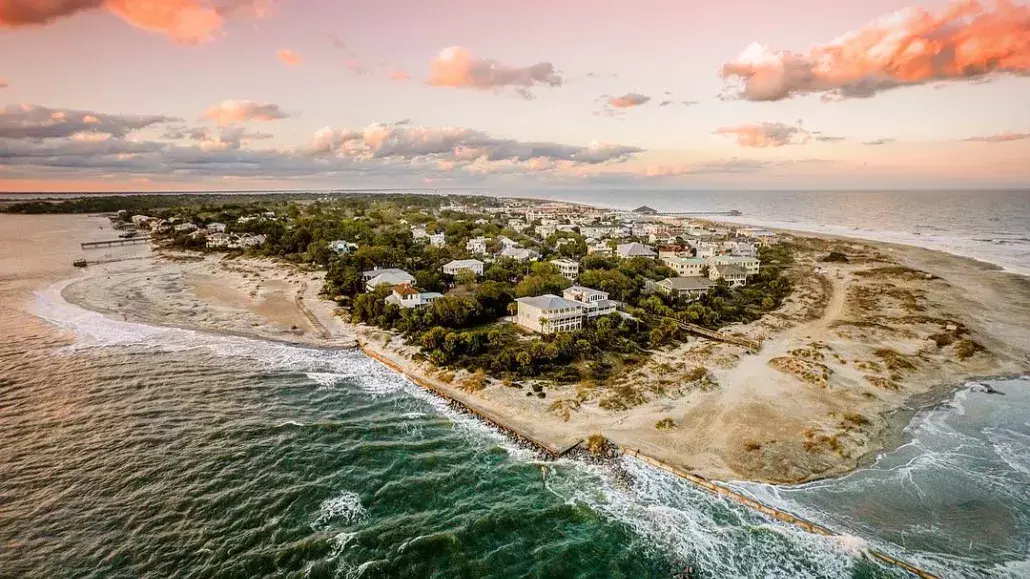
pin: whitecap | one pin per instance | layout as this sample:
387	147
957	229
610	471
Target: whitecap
344	508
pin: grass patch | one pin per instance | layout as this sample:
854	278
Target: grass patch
966	348
665	424
893	360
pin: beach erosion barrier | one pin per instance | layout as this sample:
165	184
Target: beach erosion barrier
699	481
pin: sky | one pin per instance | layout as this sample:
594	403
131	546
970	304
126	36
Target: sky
130	95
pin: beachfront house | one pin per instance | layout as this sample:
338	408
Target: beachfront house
685	266
741	248
217	241
185	228
595	302
630	250
476	245
216	227
733	274
391	276
459	265
567	267
247	240
342	247
691	287
750	265
407	297
549	313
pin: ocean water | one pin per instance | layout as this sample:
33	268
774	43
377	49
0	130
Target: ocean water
136	451
989	225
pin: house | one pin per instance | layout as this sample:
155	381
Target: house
215	227
628	250
706	249
733	274
246	240
741	248
476	245
139	220
545	231
595	302
692	287
459	265
567	267
686	266
407	297
517	224
217	240
187	228
519	254
600	249
391	276
342	247
750	265
507	242
549	313
437	240
418	233
599	232
763	236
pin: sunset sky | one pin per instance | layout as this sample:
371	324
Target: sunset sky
252	94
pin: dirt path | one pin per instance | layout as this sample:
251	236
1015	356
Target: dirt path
317	324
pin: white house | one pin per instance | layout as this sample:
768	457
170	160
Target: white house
476	245
567	267
549	313
706	249
340	246
685	266
217	240
186	228
693	287
519	254
459	265
408	297
437	240
418	233
741	248
216	227
750	265
599	248
507	242
595	302
733	274
599	231
545	231
391	276
628	250
517	224
247	240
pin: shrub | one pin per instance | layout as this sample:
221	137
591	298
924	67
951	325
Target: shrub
475	382
966	349
752	446
595	444
665	424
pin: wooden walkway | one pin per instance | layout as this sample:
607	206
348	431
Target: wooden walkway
695	329
316	323
114	242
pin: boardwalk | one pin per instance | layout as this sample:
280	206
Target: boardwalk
114	242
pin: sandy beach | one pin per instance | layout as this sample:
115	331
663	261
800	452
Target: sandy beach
855	348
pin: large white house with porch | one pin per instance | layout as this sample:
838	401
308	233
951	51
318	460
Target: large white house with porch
595	302
459	265
549	313
391	276
407	297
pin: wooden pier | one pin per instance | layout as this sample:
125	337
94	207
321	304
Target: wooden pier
115	242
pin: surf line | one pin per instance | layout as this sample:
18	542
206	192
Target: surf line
768	511
696	480
513	433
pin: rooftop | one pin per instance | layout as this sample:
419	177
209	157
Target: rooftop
549	302
687	283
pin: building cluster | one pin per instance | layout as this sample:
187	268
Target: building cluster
214	233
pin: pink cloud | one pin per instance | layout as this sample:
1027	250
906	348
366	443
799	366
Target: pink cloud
184	21
456	67
290	57
399	75
355	66
232	111
630	99
763	135
1000	138
3	83
909	47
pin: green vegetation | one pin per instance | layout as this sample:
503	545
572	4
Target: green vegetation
665	424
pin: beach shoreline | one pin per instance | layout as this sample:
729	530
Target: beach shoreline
228	296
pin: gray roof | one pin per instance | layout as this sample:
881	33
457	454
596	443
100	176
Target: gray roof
463	263
549	302
687	283
730	270
635	250
377	271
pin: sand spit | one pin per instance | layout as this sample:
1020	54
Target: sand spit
841	365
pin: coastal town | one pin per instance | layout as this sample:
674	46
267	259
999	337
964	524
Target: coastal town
725	350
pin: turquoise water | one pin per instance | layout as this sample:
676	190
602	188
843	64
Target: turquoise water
133	451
